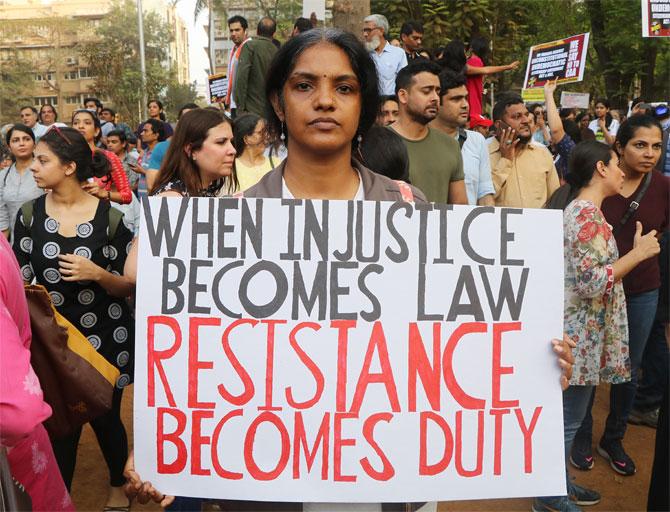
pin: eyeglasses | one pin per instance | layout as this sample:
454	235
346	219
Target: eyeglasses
368	30
54	128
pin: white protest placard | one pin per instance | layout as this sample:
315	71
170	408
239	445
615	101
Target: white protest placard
341	351
314	6
574	99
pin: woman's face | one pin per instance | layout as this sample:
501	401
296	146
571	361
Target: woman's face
154	110
48	171
257	137
83	122
584	122
216	156
21	145
322	101
601	110
615	176
643	150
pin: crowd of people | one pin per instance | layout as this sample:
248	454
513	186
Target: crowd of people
326	116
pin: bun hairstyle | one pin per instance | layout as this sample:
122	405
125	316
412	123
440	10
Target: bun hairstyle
583	161
70	146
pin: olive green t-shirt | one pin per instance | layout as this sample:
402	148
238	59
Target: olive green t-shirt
434	162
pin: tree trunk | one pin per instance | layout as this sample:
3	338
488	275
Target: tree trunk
611	76
348	14
650	49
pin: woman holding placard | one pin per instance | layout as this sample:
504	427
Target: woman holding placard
323	91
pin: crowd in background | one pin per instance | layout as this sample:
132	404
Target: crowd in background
325	116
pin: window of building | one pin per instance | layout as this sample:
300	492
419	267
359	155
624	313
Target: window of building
72	100
71	75
40	77
46	100
84	73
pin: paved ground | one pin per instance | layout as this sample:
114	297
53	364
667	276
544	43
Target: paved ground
619	493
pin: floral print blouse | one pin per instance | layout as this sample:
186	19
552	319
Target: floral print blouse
595	306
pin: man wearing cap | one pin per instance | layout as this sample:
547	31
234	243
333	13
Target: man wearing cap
452	118
481	125
523	171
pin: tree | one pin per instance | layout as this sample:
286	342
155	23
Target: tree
348	14
177	95
15	82
115	63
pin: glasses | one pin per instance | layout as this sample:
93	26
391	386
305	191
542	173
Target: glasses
55	128
368	30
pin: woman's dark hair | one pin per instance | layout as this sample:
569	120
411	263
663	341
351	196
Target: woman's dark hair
630	126
453	56
52	108
608	116
160	106
480	47
572	130
94	116
187	106
583	160
18	127
384	152
121	134
70	146
178	164
364	68
581	115
242	126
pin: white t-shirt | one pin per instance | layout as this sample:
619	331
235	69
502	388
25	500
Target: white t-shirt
613	128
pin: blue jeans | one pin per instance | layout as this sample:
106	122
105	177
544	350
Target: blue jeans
576	401
641	310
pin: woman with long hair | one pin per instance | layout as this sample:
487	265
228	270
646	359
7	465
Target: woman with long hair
16	181
115	186
595	305
323	91
604	126
643	203
70	246
250	140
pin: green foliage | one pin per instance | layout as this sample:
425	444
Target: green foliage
115	63
177	95
15	80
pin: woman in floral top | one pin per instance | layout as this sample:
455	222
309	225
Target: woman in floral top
595	305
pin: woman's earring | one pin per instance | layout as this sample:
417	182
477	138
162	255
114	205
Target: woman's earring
282	137
359	139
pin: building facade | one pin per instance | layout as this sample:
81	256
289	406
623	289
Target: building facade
45	39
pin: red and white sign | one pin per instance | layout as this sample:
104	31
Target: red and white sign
564	59
655	18
340	351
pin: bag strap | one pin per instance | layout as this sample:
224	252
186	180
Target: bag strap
27	213
635	203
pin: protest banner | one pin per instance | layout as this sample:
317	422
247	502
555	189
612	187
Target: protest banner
317	7
564	59
218	87
655	18
574	99
533	95
342	351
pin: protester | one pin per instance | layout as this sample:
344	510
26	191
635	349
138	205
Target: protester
452	118
151	134
595	305
22	406
155	111
106	116
301	25
118	144
604	126
384	152
389	110
237	28
29	117
435	162
87	123
476	69
411	35
568	114
16	181
250	141
48	115
340	78
540	131
93	104
252	68
66	247
638	144
388	59
523	171
560	140
480	124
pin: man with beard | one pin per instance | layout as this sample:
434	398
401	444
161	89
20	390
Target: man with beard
452	119
435	162
388	59
523	171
